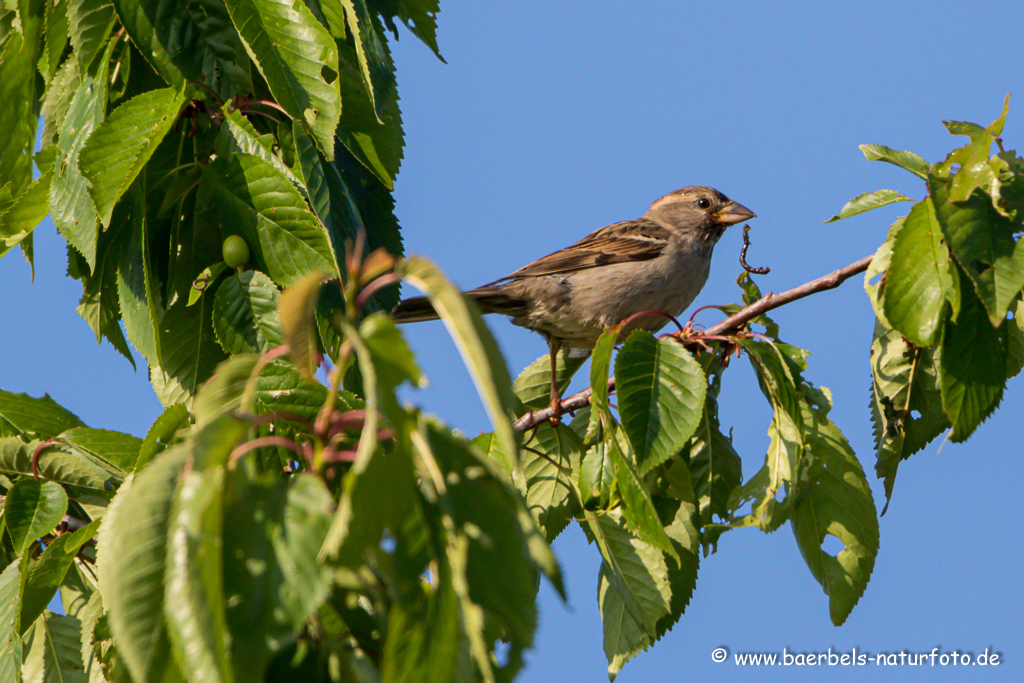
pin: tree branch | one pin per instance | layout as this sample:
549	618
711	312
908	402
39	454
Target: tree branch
730	324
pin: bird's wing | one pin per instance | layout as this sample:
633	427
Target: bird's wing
636	240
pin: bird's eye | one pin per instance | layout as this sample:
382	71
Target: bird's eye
704	202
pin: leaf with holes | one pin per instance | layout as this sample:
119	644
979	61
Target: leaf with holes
837	503
297	57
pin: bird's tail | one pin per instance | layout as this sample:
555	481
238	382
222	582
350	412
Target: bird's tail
488	300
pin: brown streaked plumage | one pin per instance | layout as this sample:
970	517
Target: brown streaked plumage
658	262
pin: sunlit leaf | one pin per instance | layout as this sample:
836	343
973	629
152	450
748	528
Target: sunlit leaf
297	57
32	509
919	280
255	201
41	418
10	609
479	351
906	160
298	324
47	573
123	143
194	600
868	201
661	393
982	241
837	503
245	316
18	118
132	557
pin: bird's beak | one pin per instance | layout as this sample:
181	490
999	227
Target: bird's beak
733	213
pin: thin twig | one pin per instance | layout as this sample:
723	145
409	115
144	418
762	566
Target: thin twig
730	324
743	255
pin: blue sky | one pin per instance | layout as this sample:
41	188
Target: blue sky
553	119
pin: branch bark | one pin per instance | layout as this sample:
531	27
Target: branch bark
730	324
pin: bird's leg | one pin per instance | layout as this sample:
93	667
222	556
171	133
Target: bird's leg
556	399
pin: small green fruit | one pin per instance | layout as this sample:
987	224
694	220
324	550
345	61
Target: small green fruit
236	251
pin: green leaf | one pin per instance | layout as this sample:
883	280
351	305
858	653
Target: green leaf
237	134
714	465
132	560
205	281
868	201
99	303
392	358
18	118
272	580
372	134
479	351
71	206
784	462
972	368
419	16
596	476
297	305
838	503
189	41
123	144
114	450
190	353
245	316
637	506
874	277
255	201
982	241
907	408
41	418
137	291
90	25
55	465
371	53
329	193
919	280
553	455
973	167
53	649
194	599
488	526
632	592
600	363
533	385
297	57
378	493
20	216
907	160
661	392
46	575
33	509
224	395
279	388
161	433
10	608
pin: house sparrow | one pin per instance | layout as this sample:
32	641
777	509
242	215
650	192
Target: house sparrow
658	262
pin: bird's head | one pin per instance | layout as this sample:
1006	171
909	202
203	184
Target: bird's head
702	210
